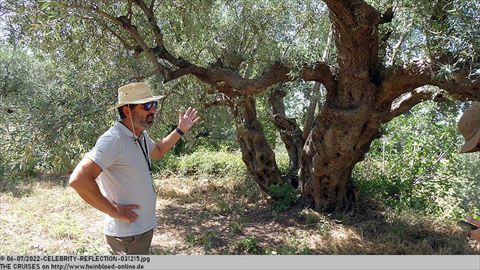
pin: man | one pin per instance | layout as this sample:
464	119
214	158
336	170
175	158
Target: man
121	161
469	127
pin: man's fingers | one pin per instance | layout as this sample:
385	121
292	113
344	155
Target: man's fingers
125	212
132	216
132	206
194	114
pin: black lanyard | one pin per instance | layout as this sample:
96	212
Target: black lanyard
145	152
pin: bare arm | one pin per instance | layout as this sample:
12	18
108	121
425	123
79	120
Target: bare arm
474	234
185	122
83	180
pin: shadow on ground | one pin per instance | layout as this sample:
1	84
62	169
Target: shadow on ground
197	229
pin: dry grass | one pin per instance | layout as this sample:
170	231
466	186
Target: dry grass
202	215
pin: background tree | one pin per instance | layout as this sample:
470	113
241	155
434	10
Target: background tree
385	52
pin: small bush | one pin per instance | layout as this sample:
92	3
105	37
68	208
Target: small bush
204	162
415	164
248	245
284	196
167	165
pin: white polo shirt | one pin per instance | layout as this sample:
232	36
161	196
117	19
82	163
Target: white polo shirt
125	178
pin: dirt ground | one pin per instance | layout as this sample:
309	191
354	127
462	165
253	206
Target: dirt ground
208	215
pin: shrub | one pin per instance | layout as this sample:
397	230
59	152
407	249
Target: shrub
415	165
221	163
284	196
247	245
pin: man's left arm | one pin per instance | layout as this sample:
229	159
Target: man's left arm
185	122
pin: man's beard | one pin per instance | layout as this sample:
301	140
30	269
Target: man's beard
149	119
144	123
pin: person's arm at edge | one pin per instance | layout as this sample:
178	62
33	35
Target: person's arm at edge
83	180
474	234
473	221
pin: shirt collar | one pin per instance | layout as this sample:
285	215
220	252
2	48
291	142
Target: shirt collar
125	130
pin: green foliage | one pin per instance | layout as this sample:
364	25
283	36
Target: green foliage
201	162
3	167
43	100
207	239
284	196
235	227
215	130
282	159
294	248
55	112
416	165
247	245
426	29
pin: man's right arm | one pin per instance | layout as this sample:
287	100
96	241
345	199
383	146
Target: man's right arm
83	180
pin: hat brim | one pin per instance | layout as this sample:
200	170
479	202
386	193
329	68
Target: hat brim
471	144
140	101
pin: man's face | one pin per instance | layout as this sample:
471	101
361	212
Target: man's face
143	114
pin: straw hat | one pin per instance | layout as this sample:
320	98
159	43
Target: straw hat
469	127
134	93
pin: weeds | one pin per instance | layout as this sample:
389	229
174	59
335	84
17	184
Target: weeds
235	227
247	245
284	196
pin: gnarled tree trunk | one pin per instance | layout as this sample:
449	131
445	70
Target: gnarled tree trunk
340	140
257	155
290	133
347	123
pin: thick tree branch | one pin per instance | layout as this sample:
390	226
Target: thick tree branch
219	102
320	72
341	9
290	133
410	99
406	79
346	14
276	73
356	35
461	87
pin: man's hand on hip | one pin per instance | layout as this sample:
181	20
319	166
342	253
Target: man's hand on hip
125	212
